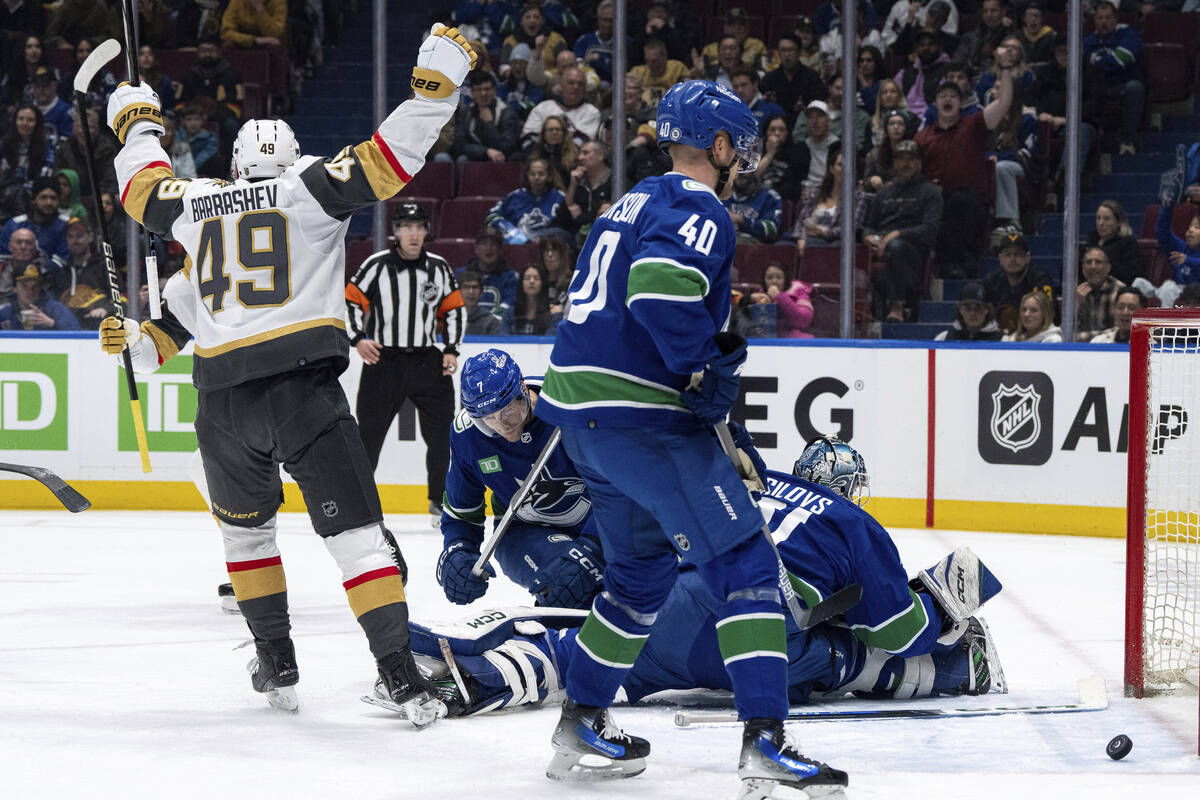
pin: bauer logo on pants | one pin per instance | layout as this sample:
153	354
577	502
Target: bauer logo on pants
1016	417
33	401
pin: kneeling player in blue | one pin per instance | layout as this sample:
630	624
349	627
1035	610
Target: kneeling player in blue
639	372
551	546
904	639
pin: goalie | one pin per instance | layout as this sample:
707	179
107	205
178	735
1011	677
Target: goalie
904	639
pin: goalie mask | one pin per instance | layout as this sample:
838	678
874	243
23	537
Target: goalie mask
831	462
264	148
493	392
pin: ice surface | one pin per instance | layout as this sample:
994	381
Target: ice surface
119	679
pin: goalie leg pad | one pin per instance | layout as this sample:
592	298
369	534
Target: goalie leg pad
521	671
961	583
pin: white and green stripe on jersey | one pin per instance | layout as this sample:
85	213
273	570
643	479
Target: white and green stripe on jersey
583	386
665	279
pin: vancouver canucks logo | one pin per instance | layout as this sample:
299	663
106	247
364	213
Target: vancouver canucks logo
1016	423
534	220
558	501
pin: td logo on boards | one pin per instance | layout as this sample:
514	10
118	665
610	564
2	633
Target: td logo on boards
1016	417
169	403
33	401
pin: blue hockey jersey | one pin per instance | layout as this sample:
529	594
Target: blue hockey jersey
762	213
650	291
479	462
522	211
1118	54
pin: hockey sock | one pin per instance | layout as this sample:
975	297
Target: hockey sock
753	642
256	572
373	587
751	631
608	643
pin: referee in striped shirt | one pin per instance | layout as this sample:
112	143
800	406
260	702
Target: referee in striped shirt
397	303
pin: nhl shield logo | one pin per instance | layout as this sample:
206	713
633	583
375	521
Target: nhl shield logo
1016	423
330	508
683	542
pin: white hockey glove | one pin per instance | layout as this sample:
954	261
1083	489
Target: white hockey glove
131	106
443	62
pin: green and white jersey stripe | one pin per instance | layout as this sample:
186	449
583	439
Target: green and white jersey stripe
474	516
665	279
897	632
607	644
581	387
756	635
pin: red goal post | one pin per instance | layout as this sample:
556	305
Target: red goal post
1162	577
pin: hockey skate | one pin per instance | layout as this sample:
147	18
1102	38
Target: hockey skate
971	665
589	732
273	672
769	761
402	688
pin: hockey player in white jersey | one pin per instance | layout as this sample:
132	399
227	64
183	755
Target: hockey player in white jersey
261	293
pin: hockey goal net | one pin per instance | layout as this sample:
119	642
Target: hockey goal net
1162	593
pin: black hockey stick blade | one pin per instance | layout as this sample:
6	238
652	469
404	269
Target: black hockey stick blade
835	605
71	499
1093	696
104	52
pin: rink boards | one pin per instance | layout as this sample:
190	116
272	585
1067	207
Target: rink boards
983	437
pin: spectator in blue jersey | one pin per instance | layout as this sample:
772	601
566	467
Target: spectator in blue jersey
531	315
535	210
491	19
499	282
595	48
515	88
487	129
101	86
756	211
44	219
868	74
31	308
1116	50
56	112
1183	253
744	82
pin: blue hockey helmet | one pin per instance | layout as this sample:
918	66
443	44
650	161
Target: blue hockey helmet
829	461
693	112
490	381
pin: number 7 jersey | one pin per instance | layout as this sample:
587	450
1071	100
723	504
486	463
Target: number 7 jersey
262	289
650	290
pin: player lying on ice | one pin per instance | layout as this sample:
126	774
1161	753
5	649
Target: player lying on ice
905	639
551	545
262	295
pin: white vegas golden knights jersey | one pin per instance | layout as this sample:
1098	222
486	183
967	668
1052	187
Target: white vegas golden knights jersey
262	290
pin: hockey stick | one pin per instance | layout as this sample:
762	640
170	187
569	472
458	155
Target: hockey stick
1093	696
105	52
837	603
131	74
492	543
71	499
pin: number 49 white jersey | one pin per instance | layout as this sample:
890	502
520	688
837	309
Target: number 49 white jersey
262	289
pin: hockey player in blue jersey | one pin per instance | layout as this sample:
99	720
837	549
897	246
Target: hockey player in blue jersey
639	371
904	639
551	546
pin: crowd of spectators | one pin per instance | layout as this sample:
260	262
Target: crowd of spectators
46	190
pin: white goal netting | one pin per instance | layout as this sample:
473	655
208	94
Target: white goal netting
1171	634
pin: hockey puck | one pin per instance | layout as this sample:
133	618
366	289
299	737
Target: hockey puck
1119	747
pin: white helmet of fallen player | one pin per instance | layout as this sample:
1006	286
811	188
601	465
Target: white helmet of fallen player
831	462
264	148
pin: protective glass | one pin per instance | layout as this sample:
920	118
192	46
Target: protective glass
511	417
749	150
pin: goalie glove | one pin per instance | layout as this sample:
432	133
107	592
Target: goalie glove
134	106
443	62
